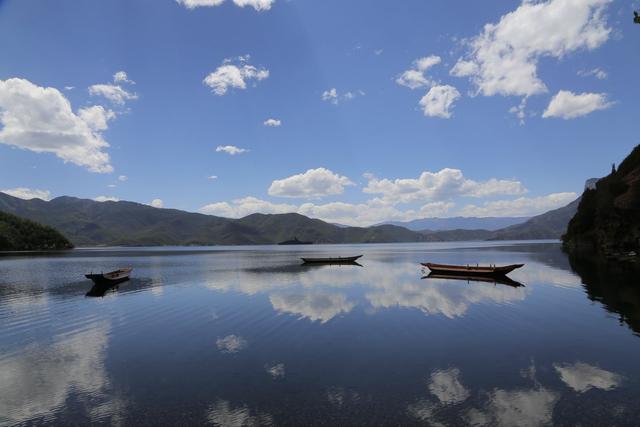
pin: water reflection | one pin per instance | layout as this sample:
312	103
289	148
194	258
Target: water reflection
582	377
446	386
503	280
526	406
312	305
231	344
37	381
276	371
224	414
614	284
253	338
389	285
98	291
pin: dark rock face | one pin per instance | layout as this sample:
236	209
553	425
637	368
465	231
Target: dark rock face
608	217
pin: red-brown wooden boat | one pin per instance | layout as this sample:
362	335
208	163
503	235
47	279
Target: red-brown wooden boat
470	270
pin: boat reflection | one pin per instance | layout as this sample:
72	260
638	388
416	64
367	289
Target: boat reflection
100	290
504	280
325	263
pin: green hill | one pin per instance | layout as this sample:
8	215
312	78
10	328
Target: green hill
549	225
608	217
90	223
18	234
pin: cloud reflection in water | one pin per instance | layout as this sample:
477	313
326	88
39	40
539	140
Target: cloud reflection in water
37	381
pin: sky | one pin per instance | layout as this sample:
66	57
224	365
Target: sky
355	112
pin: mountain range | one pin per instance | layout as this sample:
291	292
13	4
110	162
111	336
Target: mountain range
459	223
89	223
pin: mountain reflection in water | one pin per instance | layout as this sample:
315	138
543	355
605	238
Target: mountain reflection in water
251	337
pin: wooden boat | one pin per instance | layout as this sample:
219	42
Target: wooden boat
502	280
332	260
111	278
470	270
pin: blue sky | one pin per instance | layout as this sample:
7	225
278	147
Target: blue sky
379	110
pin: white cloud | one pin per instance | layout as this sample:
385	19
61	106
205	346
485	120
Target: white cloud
523	206
40	119
113	93
569	105
598	73
423	64
330	95
96	117
121	77
438	186
258	5
361	214
106	199
272	122
230	75
122	178
230	149
415	77
191	4
519	110
157	203
582	377
314	183
333	96
246	206
464	68
439	101
212	177
28	193
503	58
231	344
373	211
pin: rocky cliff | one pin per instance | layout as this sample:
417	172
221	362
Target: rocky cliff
608	217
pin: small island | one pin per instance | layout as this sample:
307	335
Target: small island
18	234
295	241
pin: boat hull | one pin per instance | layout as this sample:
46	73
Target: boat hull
462	270
111	278
333	260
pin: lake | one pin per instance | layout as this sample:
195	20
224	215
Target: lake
248	336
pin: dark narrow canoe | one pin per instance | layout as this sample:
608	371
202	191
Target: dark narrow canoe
111	278
470	270
502	280
332	260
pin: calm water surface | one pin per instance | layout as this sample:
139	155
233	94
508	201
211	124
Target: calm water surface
248	336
